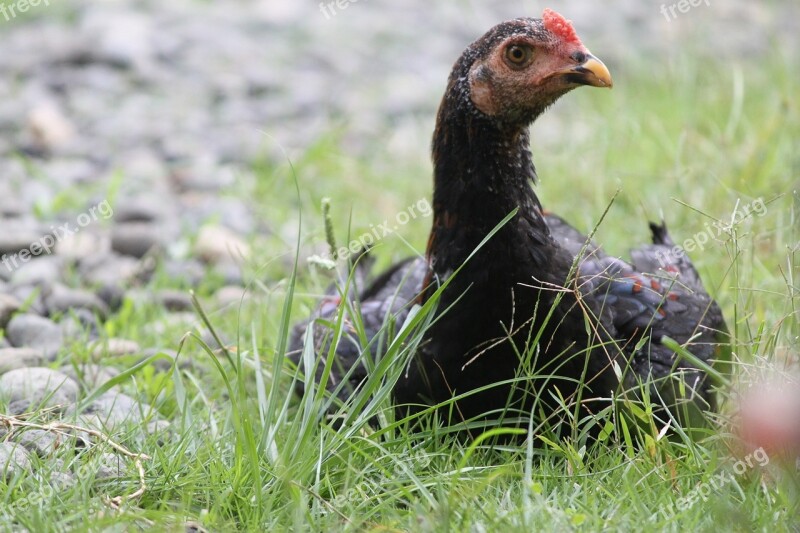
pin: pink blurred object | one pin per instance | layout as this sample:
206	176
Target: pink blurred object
769	417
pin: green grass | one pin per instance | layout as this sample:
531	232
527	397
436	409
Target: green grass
688	140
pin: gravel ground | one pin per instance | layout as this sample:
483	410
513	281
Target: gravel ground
168	101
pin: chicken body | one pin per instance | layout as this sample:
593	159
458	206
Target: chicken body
536	316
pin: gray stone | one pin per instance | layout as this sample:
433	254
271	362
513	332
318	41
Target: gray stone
42	443
142	164
11	209
80	325
167	359
62	480
216	244
112	295
16	236
231	295
111	466
136	238
41	270
108	270
189	272
90	375
122	38
32	331
36	385
14	358
69	172
114	408
115	347
33	192
231	213
175	300
8	306
230	271
31	298
204	174
14	459
18	407
62	299
82	245
138	210
162	428
48	126
171	322
208	338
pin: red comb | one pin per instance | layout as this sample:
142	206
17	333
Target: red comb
559	26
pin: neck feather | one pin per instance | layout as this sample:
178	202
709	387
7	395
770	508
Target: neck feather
483	170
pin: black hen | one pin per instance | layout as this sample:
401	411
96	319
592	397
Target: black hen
526	323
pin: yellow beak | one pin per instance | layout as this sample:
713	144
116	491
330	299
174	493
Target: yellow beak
591	72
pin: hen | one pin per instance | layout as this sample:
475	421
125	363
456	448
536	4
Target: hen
535	316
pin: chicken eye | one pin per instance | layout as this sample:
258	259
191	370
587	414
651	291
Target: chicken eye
518	55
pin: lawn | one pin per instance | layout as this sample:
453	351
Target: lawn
695	142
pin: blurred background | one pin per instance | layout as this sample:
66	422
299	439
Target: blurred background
186	144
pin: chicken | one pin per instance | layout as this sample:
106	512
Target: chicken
535	317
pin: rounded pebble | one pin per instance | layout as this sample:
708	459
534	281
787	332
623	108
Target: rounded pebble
115	347
8	306
14	358
135	238
37	384
32	331
14	459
